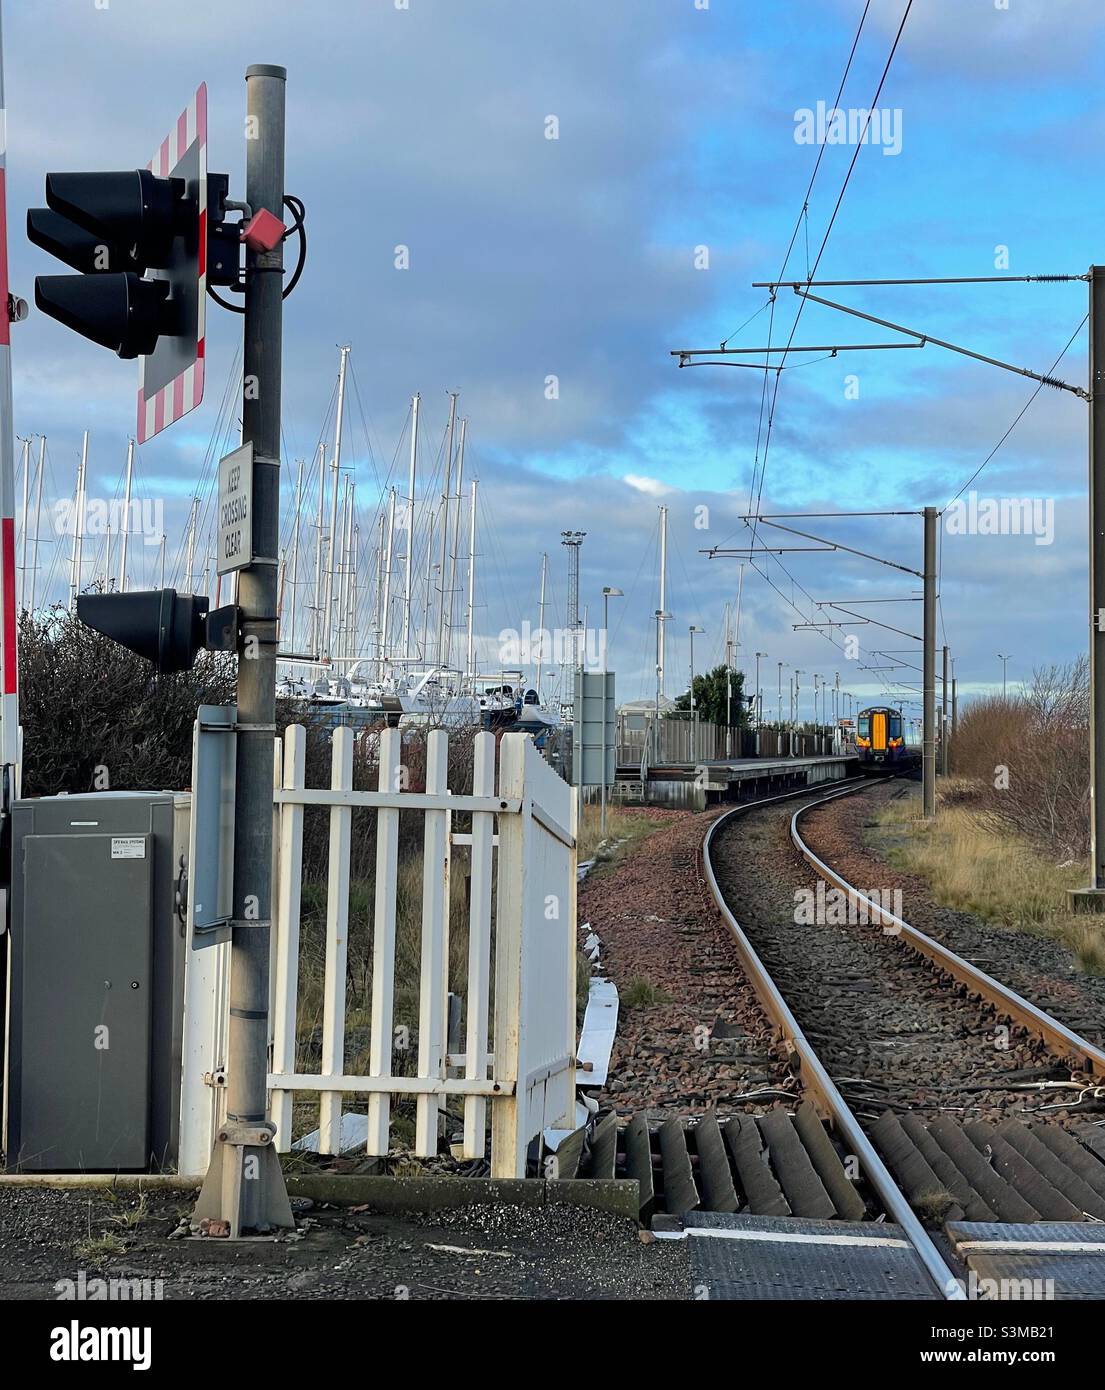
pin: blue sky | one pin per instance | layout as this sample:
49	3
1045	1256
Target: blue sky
575	257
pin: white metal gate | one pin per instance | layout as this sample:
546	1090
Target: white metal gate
523	840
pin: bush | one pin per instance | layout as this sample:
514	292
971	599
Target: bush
1028	758
96	717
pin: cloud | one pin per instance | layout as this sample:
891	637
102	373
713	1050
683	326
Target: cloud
651	487
574	259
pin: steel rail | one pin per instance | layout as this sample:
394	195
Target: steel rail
815	1079
1062	1041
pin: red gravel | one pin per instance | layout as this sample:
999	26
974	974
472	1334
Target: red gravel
657	923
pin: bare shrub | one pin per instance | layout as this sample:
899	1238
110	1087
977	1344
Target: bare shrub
96	717
1027	756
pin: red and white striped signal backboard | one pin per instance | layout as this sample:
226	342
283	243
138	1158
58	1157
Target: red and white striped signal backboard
171	378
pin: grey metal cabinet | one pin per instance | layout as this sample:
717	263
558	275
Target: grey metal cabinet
96	966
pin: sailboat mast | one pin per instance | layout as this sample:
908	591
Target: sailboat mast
355	547
126	516
439	650
470	665
541	620
347	567
728	679
75	563
191	557
337	550
740	593
456	535
316	626
408	593
428	606
295	553
38	515
335	465
26	499
662	619
385	621
379	625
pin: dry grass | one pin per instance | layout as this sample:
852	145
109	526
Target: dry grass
408	967
972	866
641	993
623	831
96	1248
933	1207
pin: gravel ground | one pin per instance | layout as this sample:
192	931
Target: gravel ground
890	1031
846	835
705	1042
549	1252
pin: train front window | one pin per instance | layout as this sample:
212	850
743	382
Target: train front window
864	726
895	726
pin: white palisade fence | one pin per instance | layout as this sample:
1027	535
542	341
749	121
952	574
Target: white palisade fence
519	1053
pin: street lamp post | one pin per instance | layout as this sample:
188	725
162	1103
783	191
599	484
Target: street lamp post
691	631
1005	658
694	713
780	665
607	594
758	704
728	685
661	616
759	692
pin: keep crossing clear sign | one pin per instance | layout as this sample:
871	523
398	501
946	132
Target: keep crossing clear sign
236	510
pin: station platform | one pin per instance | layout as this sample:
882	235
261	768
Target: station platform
821	768
694	786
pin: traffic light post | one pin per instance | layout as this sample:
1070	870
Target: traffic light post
244	1184
11	310
148	243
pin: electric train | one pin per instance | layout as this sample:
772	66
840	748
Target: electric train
884	740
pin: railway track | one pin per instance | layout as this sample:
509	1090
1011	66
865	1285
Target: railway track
1059	1040
817	984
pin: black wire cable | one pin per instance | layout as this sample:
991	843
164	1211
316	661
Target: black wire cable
825	239
299	213
1020	416
817	162
810	274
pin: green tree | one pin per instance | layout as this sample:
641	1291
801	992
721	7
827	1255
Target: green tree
710	697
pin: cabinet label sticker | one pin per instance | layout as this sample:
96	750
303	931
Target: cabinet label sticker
128	847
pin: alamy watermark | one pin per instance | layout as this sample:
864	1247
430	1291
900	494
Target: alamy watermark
103	516
1002	516
832	907
86	1290
1006	1290
561	646
834	125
